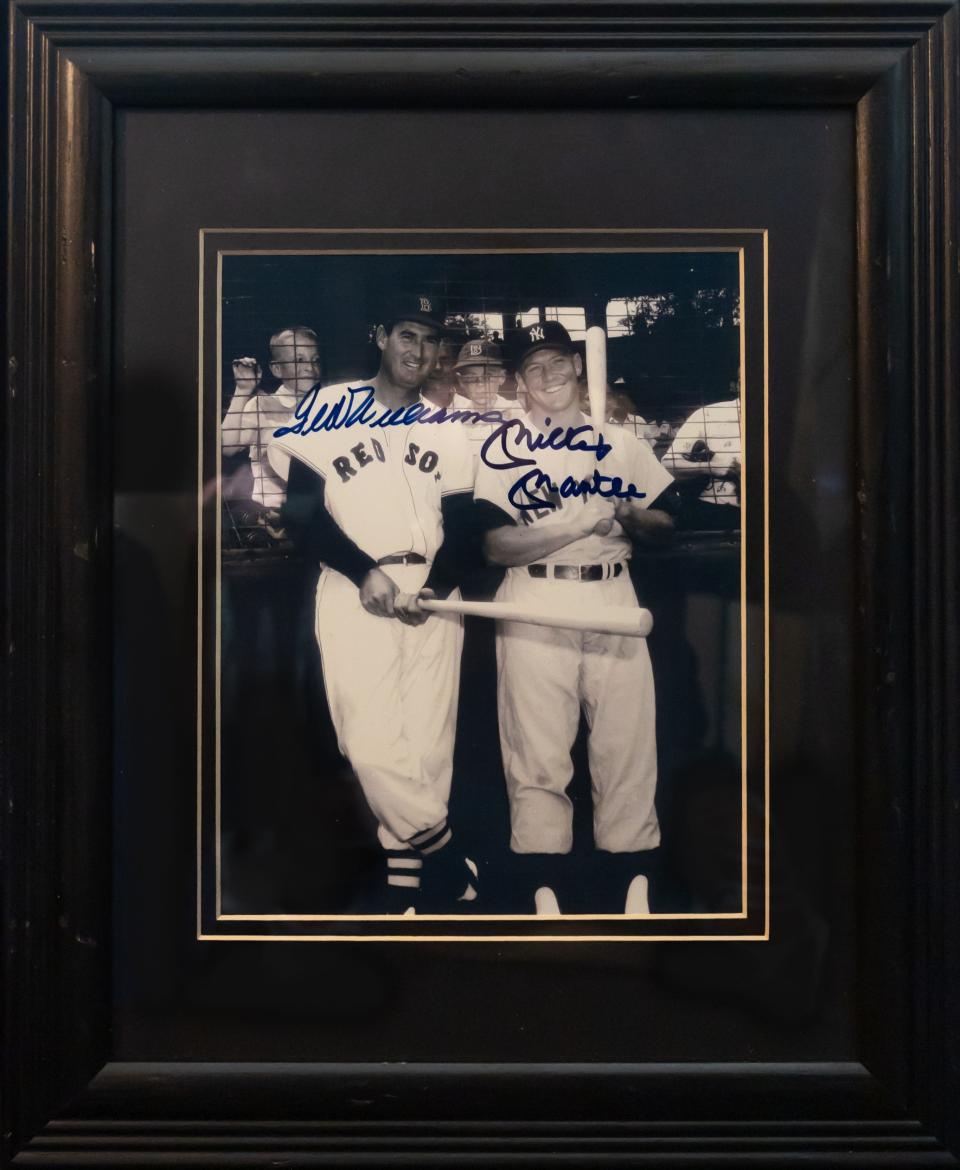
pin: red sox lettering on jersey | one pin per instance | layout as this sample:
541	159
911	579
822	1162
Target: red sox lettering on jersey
383	487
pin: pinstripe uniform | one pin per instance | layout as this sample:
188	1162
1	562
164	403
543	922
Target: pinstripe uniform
545	674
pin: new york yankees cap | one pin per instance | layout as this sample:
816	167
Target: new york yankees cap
403	305
546	335
479	353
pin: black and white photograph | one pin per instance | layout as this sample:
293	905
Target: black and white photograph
478	627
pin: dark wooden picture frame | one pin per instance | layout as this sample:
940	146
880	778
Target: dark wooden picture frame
74	66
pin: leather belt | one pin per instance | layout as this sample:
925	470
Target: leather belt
577	572
403	559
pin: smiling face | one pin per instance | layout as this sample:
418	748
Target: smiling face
407	353
481	383
295	360
551	379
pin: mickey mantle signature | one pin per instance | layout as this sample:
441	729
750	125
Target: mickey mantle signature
496	454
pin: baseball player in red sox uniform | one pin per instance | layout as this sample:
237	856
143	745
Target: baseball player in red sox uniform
572	550
378	507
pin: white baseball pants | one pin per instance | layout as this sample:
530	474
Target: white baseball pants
544	676
392	691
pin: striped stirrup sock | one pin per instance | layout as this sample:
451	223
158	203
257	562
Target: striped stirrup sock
403	869
431	840
448	875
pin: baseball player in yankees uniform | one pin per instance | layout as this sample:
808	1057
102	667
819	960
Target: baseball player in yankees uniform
253	416
573	550
379	508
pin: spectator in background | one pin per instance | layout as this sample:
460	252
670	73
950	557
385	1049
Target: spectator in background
618	407
441	384
509	390
627	409
621	411
708	447
660	436
253	414
480	375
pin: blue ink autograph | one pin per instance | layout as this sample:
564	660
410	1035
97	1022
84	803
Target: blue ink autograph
558	439
610	487
533	481
356	408
351	410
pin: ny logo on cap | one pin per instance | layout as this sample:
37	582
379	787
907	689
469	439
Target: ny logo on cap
425	305
476	349
536	333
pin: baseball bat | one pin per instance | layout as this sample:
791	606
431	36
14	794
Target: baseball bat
603	619
596	350
596	353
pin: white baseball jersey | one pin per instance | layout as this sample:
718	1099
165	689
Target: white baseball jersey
383	485
261	416
630	460
545	676
391	688
717	425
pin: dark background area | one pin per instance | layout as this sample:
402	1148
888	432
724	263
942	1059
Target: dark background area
174	998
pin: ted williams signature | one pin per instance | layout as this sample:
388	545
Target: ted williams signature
357	408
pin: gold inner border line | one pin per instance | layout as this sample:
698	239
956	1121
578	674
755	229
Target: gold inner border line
345	251
486	938
200	395
743	390
218	601
741	418
492	231
766	581
740	916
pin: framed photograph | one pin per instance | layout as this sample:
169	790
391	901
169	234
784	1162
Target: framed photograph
481	538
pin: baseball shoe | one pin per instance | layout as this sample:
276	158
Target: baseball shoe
545	901
471	893
450	881
400	901
638	896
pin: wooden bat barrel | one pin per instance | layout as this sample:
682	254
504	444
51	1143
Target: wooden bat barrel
630	621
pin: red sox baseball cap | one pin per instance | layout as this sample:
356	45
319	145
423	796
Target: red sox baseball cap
544	335
425	307
479	353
